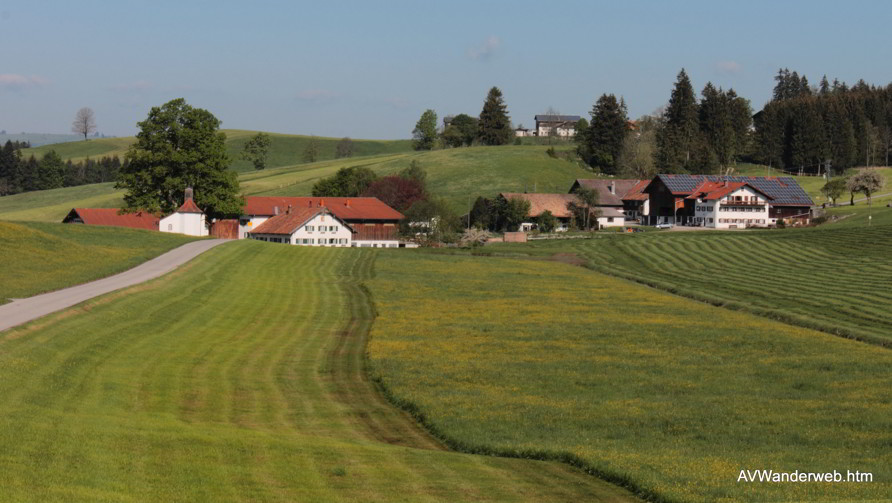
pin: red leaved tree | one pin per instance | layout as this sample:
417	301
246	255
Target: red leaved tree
397	192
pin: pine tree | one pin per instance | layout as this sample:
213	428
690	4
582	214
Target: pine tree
494	125
604	137
678	138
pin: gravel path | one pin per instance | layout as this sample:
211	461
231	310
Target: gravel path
24	310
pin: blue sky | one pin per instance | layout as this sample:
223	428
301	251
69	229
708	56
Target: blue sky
369	69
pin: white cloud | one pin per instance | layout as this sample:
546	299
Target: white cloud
729	67
317	94
16	81
485	50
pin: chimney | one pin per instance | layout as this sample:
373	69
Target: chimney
612	188
347	204
310	203
188	193
322	202
275	210
288	211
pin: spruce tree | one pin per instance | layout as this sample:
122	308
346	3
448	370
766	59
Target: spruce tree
494	125
604	137
678	138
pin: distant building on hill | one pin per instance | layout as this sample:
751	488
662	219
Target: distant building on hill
562	125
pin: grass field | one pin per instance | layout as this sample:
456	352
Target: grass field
285	150
834	277
455	174
40	257
675	397
233	382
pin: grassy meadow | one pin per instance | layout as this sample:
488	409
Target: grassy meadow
455	174
834	278
285	149
239	377
673	397
41	257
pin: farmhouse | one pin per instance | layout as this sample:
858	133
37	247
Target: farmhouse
619	200
671	201
309	226
557	204
729	205
561	125
373	223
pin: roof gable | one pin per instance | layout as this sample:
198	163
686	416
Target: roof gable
346	208
189	206
112	217
621	187
288	223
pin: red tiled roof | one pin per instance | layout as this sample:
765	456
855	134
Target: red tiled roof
110	216
189	207
287	223
539	203
710	191
345	208
636	193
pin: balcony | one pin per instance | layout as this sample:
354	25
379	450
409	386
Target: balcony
743	203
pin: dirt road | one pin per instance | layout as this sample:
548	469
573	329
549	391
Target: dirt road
24	310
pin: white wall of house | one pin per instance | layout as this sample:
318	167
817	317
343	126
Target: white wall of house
750	210
561	131
321	230
611	222
247	223
190	224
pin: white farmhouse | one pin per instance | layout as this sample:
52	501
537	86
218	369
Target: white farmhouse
730	205
316	226
188	219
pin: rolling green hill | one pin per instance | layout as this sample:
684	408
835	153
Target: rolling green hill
673	397
221	382
41	257
456	174
285	150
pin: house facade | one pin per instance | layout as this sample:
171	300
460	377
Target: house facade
620	201
734	205
671	201
557	204
562	125
316	226
374	224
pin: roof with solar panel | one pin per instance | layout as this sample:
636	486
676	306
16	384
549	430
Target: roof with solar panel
783	190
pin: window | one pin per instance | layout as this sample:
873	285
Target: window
609	219
309	228
710	220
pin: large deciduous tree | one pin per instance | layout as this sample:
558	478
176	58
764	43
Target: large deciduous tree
425	132
866	182
347	182
461	131
494	125
179	146
256	150
84	122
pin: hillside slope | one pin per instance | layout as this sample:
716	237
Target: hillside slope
285	149
459	175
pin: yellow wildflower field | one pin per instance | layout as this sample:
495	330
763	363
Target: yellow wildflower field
669	396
